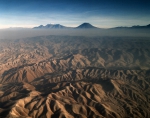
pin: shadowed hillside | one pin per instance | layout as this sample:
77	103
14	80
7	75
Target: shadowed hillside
75	76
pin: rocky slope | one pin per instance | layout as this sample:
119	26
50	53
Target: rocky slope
73	76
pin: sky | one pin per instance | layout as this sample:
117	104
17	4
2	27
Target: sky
100	13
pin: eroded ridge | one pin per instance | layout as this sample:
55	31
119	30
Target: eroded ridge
66	76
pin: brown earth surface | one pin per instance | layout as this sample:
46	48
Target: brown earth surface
75	77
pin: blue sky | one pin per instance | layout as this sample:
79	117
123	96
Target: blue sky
101	13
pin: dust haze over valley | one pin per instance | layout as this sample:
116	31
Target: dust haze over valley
17	33
94	73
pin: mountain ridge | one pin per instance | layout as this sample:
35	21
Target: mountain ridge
88	26
132	27
75	77
51	26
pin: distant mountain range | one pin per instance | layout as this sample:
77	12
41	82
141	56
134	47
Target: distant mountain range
133	27
51	26
58	26
86	26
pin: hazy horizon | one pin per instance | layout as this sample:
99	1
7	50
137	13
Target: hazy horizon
25	33
100	13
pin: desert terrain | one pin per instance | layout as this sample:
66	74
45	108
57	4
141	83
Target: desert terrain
61	76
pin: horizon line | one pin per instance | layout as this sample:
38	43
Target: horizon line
31	27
